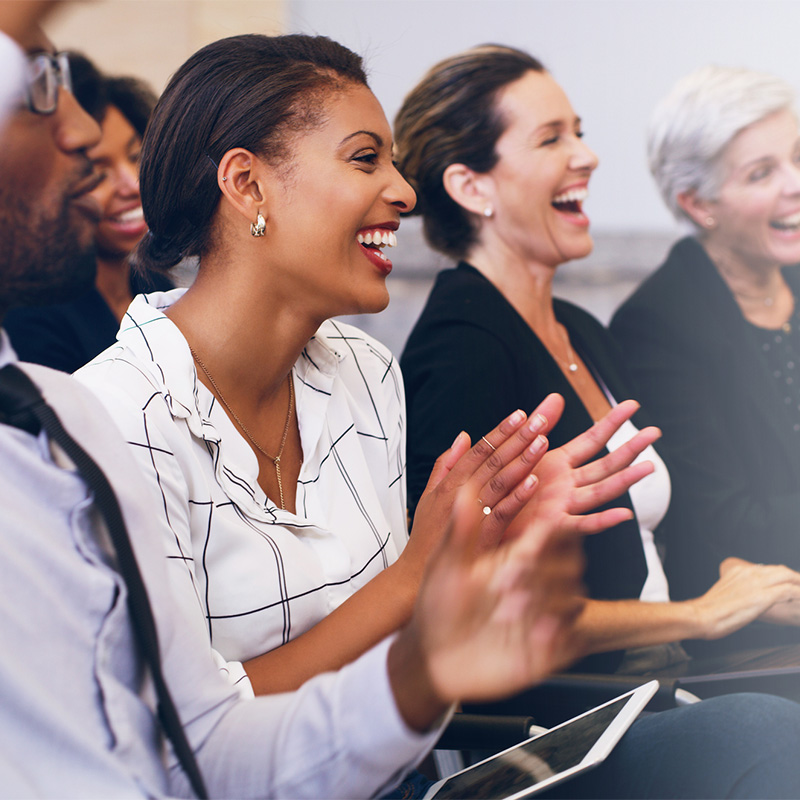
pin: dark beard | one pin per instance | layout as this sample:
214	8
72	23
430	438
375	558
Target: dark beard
43	259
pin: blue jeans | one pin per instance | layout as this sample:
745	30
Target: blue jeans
737	746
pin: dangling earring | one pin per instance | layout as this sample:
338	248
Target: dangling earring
488	212
258	227
710	222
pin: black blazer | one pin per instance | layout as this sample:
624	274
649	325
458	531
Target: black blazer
67	335
733	456
469	362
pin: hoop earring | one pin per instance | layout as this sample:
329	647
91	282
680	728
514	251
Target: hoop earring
258	227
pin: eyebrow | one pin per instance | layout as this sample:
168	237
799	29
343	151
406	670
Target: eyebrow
378	139
558	125
38	50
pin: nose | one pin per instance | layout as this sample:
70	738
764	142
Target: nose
75	129
401	195
127	180
792	185
583	157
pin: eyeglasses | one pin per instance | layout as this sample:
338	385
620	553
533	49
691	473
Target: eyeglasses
46	72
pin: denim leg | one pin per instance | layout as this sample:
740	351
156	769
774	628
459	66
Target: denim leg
741	745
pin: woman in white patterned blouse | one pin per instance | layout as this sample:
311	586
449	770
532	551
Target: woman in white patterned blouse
275	436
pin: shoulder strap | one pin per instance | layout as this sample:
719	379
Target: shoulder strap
22	406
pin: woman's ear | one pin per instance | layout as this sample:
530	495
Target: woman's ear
240	179
700	211
470	189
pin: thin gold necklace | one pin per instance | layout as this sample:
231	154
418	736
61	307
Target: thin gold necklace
276	460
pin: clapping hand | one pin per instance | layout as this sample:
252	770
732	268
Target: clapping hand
488	621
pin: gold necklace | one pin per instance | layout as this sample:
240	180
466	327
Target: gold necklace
276	460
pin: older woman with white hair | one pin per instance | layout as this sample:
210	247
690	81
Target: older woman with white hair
713	336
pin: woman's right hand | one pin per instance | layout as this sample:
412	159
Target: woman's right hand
501	464
746	592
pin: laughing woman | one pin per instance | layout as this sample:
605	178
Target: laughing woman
495	152
713	336
275	436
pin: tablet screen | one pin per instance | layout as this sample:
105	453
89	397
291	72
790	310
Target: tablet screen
532	762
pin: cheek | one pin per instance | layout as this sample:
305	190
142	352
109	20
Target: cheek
748	208
103	194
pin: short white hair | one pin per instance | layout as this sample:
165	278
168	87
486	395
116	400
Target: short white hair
691	127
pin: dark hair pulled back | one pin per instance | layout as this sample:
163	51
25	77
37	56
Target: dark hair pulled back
451	117
247	91
96	92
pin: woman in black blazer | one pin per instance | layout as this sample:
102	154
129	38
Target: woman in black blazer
493	148
713	336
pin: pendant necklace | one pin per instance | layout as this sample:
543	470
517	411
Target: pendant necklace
276	460
572	362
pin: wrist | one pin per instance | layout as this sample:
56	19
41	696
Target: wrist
416	697
698	624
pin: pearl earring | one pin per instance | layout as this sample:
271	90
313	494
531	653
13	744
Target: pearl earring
710	222
488	212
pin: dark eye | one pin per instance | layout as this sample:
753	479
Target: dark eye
759	174
366	158
579	134
551	140
134	157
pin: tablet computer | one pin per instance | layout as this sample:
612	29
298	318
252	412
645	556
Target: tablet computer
549	758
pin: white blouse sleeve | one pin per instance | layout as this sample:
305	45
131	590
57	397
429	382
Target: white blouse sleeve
159	446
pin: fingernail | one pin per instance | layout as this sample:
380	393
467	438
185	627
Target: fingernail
455	441
537	422
530	481
517	417
536	445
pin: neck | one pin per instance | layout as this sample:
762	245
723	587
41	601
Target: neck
527	285
755	277
760	290
248	337
113	282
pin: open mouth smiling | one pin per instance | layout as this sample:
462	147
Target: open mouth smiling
788	223
570	202
373	240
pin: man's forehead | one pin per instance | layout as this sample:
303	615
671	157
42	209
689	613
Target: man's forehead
36	41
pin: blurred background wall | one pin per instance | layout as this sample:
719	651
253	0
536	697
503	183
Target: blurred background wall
615	59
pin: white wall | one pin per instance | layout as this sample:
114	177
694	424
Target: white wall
152	38
615	58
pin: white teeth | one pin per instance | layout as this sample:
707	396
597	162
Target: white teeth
133	215
573	195
378	237
792	221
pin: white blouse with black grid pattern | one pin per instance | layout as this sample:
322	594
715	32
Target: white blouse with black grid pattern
262	575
